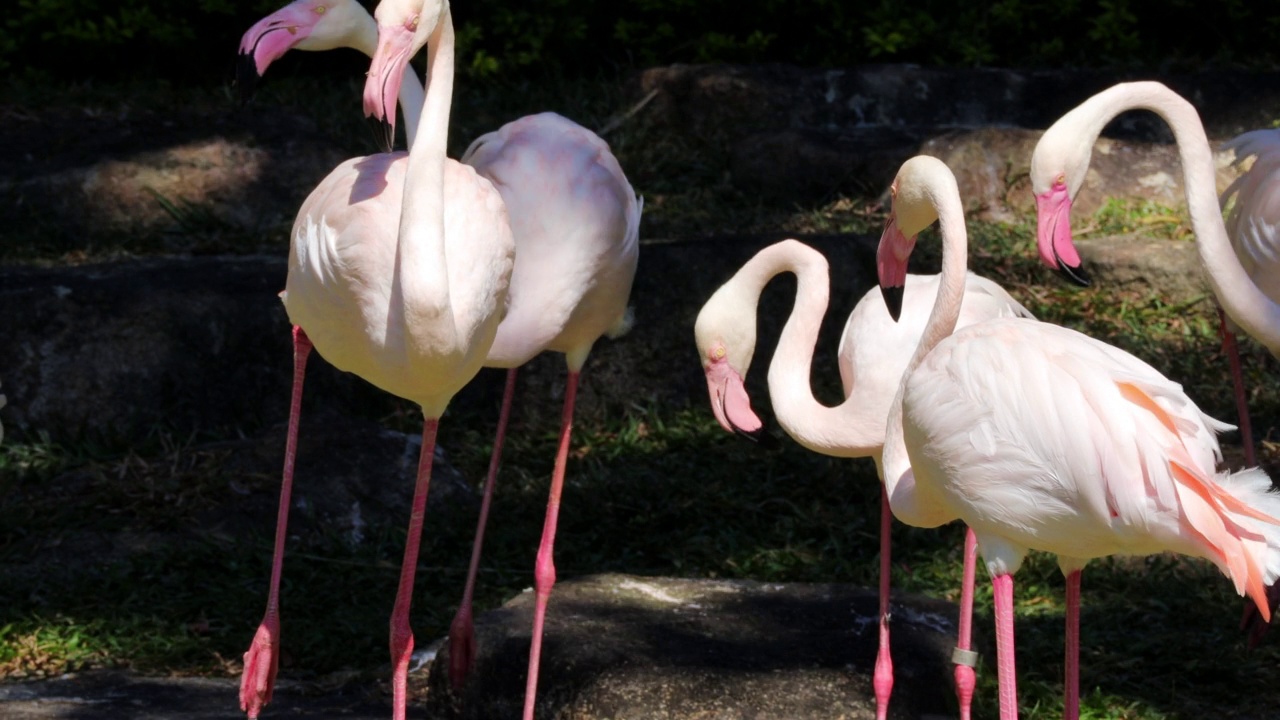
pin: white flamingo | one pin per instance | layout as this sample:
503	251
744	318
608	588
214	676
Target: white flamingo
398	272
574	215
1243	271
873	353
1039	437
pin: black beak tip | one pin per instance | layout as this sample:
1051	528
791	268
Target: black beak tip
246	76
893	300
1075	275
383	133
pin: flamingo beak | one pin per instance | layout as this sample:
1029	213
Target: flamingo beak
891	265
269	39
1053	234
729	400
395	47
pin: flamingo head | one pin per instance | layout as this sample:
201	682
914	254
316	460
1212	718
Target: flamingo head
404	27
911	210
1058	167
303	24
726	336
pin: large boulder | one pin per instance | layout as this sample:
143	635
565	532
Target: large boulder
631	648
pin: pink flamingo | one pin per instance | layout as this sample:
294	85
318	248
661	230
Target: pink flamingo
576	223
1039	437
594	255
1243	271
407	295
873	353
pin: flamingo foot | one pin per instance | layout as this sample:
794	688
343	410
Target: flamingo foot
882	679
966	681
462	648
260	665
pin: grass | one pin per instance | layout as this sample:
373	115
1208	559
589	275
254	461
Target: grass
96	569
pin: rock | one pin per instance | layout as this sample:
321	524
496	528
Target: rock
114	349
801	134
116	694
1169	267
626	647
201	344
993	168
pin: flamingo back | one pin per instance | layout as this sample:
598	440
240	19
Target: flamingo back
576	222
1044	438
1253	199
874	350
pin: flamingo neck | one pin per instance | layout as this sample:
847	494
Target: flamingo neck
840	431
912	503
1239	296
421	274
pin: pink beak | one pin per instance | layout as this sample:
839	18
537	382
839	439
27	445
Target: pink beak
395	47
272	36
1053	234
891	265
729	400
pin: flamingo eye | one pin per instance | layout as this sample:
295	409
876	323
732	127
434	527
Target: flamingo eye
1061	179
719	352
320	9
412	24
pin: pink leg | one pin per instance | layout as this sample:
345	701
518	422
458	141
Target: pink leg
462	644
963	656
1071	704
262	660
1002	585
1237	380
882	679
401	633
544	572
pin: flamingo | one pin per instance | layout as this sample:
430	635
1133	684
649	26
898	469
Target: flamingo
586	231
873	353
574	215
1243	271
1039	437
398	272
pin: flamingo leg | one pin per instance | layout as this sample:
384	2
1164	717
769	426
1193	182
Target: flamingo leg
1232	349
545	571
401	633
882	679
262	659
1071	703
1002	586
963	656
462	644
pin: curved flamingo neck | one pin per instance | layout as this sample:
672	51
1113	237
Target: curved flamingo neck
1239	296
421	276
840	431
910	502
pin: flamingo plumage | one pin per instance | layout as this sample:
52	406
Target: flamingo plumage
1039	437
873	353
398	272
573	212
1242	268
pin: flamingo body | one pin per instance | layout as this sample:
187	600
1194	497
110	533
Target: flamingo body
576	221
874	351
343	283
1253	218
1039	437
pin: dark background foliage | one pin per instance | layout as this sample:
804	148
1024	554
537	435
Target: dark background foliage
193	39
